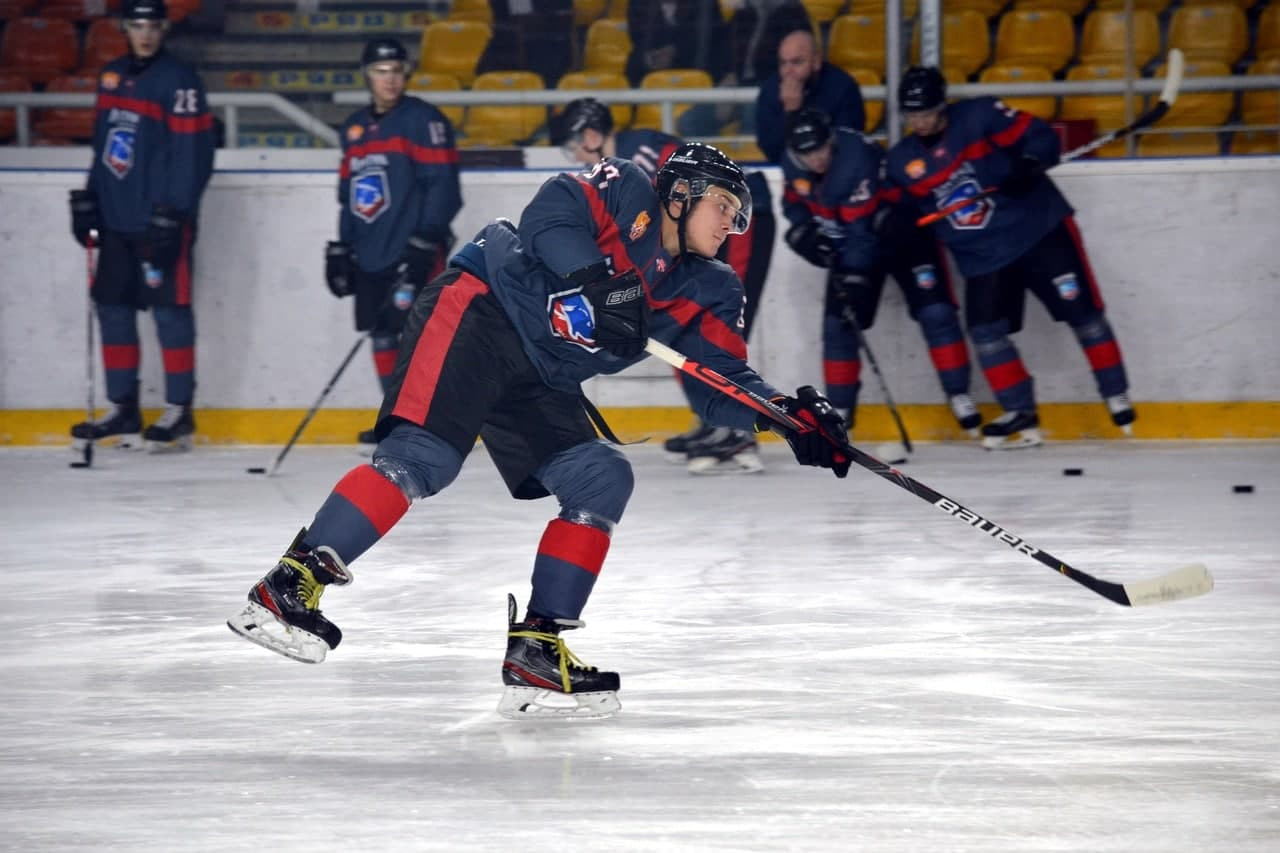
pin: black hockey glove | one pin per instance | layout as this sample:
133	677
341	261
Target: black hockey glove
163	237
339	268
621	313
419	259
84	215
1024	174
846	286
822	444
810	243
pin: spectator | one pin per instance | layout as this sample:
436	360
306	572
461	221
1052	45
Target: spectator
530	35
676	34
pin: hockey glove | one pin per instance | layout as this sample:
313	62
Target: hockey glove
808	241
84	215
419	259
163	237
846	286
822	444
621	313
1024	174
339	268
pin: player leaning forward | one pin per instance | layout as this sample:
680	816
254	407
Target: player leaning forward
497	347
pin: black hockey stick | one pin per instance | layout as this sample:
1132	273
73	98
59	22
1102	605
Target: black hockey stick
1186	582
851	320
89	356
1168	95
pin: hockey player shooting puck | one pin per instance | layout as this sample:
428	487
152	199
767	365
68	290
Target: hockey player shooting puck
1073	472
1239	490
255	470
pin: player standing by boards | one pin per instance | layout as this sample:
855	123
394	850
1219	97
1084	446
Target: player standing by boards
153	142
497	347
1023	238
399	191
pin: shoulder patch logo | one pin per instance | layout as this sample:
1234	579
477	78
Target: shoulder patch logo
803	186
915	168
355	132
639	226
110	80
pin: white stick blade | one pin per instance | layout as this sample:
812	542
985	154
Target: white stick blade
1172	76
1186	582
664	353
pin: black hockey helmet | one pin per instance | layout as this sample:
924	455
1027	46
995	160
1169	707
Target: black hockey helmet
384	49
921	88
143	10
808	130
578	115
695	167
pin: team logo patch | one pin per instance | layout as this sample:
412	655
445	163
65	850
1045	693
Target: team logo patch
639	226
1068	287
572	318
370	195
355	132
661	264
803	186
915	169
926	277
974	216
117	153
110	80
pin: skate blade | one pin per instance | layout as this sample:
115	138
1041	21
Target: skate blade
259	625
124	441
1027	438
1127	429
675	458
178	445
747	462
523	703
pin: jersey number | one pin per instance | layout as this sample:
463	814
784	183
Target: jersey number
186	101
602	174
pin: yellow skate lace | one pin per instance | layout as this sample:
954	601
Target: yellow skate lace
567	657
309	589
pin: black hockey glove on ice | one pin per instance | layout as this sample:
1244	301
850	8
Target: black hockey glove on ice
810	243
846	285
1024	173
164	237
84	215
419	259
339	268
822	444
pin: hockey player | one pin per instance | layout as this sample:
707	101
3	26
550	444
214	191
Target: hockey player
840	222
584	129
1021	239
498	347
398	190
153	147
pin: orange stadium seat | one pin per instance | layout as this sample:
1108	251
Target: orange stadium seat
1268	46
102	43
471	10
16	8
617	9
862	7
1034	37
453	47
1104	38
425	81
586	11
1216	33
1261	106
68	123
1041	106
601	80
39	48
179	9
988	8
503	124
1255	142
1156	6
873	109
966	43
607	46
1243	4
857	41
1071	7
1108	111
8	120
825	11
1179	145
1197	109
650	115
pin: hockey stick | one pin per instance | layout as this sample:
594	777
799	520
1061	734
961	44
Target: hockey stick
1186	582
1168	95
90	405
851	320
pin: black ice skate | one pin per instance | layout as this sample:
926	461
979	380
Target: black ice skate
122	426
1011	431
724	451
966	413
677	447
544	679
172	430
283	613
1122	413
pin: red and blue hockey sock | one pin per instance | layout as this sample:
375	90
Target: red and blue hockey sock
1100	348
947	350
569	559
359	511
121	354
841	363
176	329
385	348
1012	386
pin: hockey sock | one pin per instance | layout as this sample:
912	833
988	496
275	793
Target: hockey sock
176	329
120	352
1002	365
1100	348
384	358
359	511
569	559
950	356
841	363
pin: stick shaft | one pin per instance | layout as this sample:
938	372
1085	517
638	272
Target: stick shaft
311	413
851	320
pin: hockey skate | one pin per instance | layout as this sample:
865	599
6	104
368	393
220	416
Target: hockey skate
1011	431
724	451
122	426
544	679
283	613
966	413
1122	413
172	430
677	447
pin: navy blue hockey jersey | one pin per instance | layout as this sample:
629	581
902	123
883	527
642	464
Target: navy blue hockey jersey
398	177
982	141
612	213
152	140
844	200
648	149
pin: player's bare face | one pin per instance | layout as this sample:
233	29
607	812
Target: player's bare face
386	81
586	148
926	122
145	37
711	221
818	161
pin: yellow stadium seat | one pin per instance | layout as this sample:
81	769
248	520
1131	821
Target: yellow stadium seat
1255	142
1033	37
863	7
1179	145
501	124
1268	46
743	152
607	45
1261	106
1156	6
650	115
453	47
988	8
617	9
425	81
1041	106
1071	7
1197	109
966	44
857	41
1243	4
471	10
1108	111
1217	33
824	11
874	109
586	11
1104	38
601	80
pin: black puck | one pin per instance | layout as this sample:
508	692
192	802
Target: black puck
78	464
1073	472
1242	490
255	470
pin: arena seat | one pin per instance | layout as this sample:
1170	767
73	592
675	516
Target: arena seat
988	8
10	82
601	80
1071	7
1255	142
874	109
824	11
425	81
1268	44
103	42
471	10
1107	111
39	48
10	9
650	115
586	11
1034	37
1104	37
607	46
503	124
1261	106
77	10
1218	33
1156	6
63	122
1197	109
966	42
1179	145
453	47
1041	106
863	7
857	41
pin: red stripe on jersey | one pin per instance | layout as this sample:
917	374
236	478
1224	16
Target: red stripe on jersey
850	212
1095	292
150	109
377	498
1103	355
714	330
576	544
399	145
193	124
841	372
179	359
121	356
432	346
974	151
1013	132
949	356
1002	377
607	237
384	361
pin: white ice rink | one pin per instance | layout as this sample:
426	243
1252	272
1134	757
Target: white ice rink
807	663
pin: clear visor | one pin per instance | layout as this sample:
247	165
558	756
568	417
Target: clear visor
735	200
